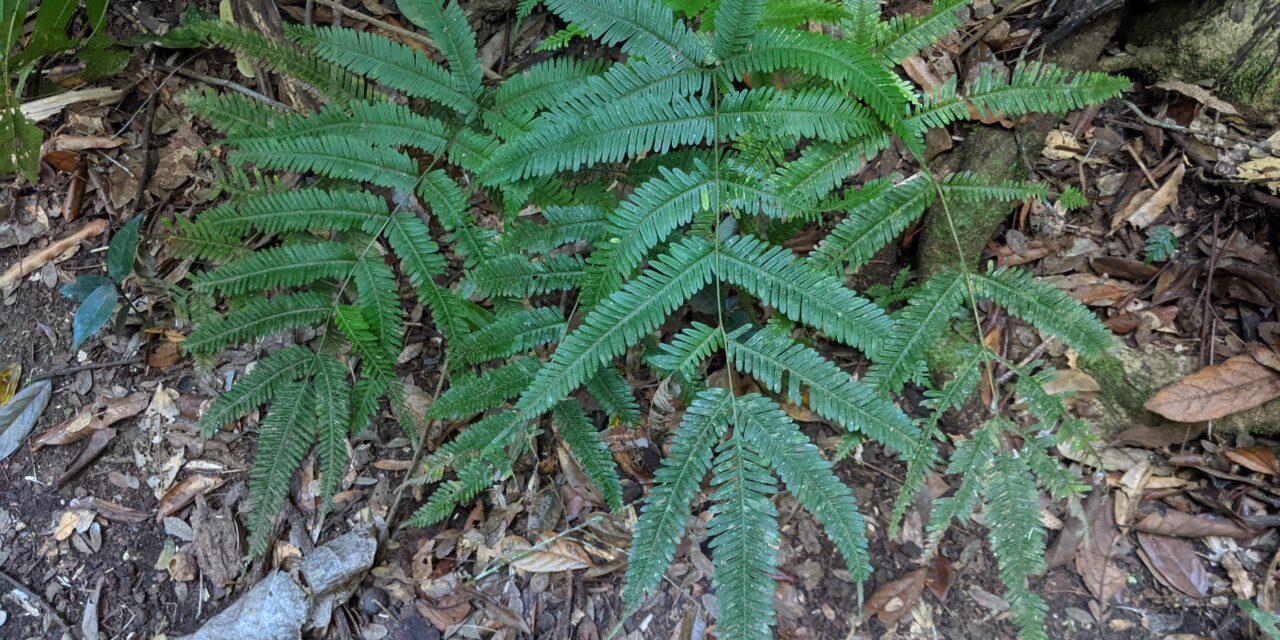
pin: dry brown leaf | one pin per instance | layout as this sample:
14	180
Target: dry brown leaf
1177	524
1264	355
1174	562
1199	94
93	418
1258	459
1241	583
1061	145
1096	555
894	599
1236	385
72	521
558	554
939	577
1147	206
109	509
918	70
182	493
1265	168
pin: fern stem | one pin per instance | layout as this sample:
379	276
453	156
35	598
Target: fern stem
418	455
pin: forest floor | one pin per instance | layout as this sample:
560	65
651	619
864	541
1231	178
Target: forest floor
110	537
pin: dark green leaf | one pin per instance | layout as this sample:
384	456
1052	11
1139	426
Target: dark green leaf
124	246
93	314
83	286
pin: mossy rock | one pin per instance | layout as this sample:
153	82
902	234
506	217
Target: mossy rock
1199	40
1129	376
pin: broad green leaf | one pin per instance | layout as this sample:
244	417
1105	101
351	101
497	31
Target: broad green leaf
93	314
19	141
123	249
83	286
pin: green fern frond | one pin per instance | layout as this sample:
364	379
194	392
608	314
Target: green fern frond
493	430
611	390
329	82
906	35
1033	88
872	225
620	322
841	62
232	113
774	276
298	210
564	225
333	415
966	186
646	28
377	369
336	157
589	449
822	166
861	21
666	509
915	328
472	479
378	123
268	377
189	240
286	266
971	461
509	335
1017	539
466	398
258	318
924	455
735	21
689	349
516	276
391	63
771	357
784	14
808	476
744	540
447	25
378	296
635	78
545	84
285	436
1047	308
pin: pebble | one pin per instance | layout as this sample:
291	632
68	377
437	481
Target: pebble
373	601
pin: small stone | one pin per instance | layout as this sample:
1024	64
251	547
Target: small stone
373	601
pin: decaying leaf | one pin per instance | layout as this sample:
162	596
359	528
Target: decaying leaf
1181	525
1096	556
1238	384
9	377
558	554
182	493
1147	206
1199	94
92	418
894	599
1174	562
18	416
1256	459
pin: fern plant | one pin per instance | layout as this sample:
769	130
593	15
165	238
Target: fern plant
675	173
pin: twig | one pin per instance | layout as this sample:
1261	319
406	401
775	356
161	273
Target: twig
48	609
234	86
1181	129
400	31
417	456
57	373
27	265
148	167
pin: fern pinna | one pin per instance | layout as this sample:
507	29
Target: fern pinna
672	173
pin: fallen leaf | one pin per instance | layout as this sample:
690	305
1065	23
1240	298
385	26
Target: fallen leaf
18	416
1060	145
1241	583
9	377
894	599
1265	168
558	554
1096	555
1199	94
1264	355
1238	384
1257	459
87	421
1149	204
109	509
182	493
182	567
448	611
1177	524
72	521
1174	562
939	576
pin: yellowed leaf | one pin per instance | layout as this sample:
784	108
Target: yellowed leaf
72	520
1060	145
1218	391
9	377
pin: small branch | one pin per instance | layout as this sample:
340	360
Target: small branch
29	264
234	86
400	31
57	373
48	609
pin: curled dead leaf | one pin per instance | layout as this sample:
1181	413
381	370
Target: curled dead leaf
1236	385
1177	524
1149	204
556	554
1256	459
894	599
92	418
184	492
